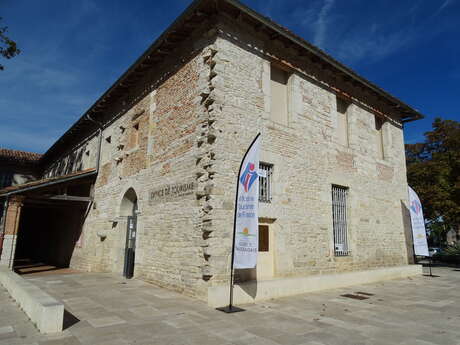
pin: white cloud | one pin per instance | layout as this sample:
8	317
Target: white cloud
373	44
40	73
444	5
344	32
322	23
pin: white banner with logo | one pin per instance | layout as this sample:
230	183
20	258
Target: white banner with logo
247	218
418	224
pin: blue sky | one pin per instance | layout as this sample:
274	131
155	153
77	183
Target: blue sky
74	50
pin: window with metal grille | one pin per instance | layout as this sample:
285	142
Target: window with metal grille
339	216
265	182
6	179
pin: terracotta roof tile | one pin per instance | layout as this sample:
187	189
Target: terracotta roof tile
7	155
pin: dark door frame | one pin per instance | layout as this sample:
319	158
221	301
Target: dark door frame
130	246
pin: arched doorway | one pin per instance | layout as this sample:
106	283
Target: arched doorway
128	209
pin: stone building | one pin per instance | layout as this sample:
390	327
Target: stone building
143	183
16	167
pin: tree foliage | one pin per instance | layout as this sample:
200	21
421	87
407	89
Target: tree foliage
433	171
8	47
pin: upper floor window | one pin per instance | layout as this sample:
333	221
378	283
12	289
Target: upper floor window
342	121
279	95
265	182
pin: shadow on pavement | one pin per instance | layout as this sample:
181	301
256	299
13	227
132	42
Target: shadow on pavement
69	320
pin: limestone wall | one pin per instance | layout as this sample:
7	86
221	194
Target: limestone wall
160	149
79	157
307	160
177	141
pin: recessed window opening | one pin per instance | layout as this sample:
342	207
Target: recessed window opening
279	95
342	121
379	137
339	217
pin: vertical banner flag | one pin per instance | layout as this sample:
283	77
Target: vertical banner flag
247	218
418	224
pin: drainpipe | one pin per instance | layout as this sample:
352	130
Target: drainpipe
2	233
98	158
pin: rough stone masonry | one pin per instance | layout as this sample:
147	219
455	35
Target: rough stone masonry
174	138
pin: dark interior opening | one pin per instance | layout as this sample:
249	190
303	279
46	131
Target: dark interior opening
50	226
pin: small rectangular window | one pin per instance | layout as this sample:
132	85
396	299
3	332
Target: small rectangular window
279	95
339	217
342	121
265	182
263	238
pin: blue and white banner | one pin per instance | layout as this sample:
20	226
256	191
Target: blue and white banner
418	224
247	218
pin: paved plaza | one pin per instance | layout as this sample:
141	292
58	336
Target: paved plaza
102	309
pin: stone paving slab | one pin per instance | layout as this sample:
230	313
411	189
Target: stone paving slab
103	309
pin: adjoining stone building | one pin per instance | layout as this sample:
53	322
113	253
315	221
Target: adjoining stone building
16	167
144	182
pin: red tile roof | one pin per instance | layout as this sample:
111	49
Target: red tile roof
15	156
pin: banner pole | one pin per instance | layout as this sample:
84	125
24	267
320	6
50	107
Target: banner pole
231	308
413	242
431	263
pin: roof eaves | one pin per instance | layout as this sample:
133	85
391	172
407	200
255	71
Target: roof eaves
195	5
415	115
45	182
187	12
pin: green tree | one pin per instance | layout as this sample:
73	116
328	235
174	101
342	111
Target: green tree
8	47
433	171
